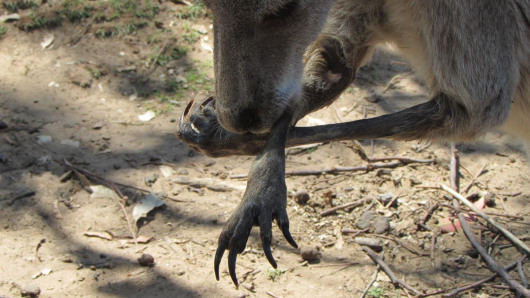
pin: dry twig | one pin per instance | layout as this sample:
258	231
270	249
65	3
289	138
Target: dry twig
494	266
341	207
481	214
110	182
374	278
395	281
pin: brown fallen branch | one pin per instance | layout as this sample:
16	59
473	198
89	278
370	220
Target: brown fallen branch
481	214
454	168
21	196
466	189
358	148
402	243
110	182
521	273
480	282
338	169
374	278
494	266
433	244
395	281
341	207
429	213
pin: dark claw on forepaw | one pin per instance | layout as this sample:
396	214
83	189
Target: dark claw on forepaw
199	128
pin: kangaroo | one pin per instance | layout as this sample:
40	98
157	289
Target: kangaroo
278	60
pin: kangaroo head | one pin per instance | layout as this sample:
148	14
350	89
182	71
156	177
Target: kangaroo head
258	57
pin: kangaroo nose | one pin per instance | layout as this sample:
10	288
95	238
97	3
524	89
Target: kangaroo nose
249	119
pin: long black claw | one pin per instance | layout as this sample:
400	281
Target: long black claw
188	107
232	258
268	254
218	256
206	101
283	224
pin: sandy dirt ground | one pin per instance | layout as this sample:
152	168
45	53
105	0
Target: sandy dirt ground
78	102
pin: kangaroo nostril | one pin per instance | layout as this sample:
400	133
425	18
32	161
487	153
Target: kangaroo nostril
249	119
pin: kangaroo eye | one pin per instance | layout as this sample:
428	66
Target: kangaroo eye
283	12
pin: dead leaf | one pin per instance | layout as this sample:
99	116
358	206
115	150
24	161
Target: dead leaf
102	192
148	116
148	203
450	225
142	239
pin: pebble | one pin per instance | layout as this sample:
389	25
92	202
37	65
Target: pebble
310	253
29	290
381	225
146	260
366	220
301	197
415	181
375	244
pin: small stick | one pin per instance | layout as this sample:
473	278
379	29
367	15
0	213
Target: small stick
395	281
433	244
494	266
505	215
483	281
407	247
374	277
455	164
481	214
393	200
466	189
338	169
347	205
511	194
521	273
271	294
41	242
110	182
354	232
21	196
429	213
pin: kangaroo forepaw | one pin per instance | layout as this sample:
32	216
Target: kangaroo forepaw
200	129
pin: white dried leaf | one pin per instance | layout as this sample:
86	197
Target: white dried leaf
47	41
102	192
148	116
148	203
44	139
70	143
206	47
166	171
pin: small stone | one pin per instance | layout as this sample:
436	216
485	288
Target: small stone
146	260
366	220
381	225
489	199
375	244
310	253
29	290
301	197
183	172
415	181
383	172
181	272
